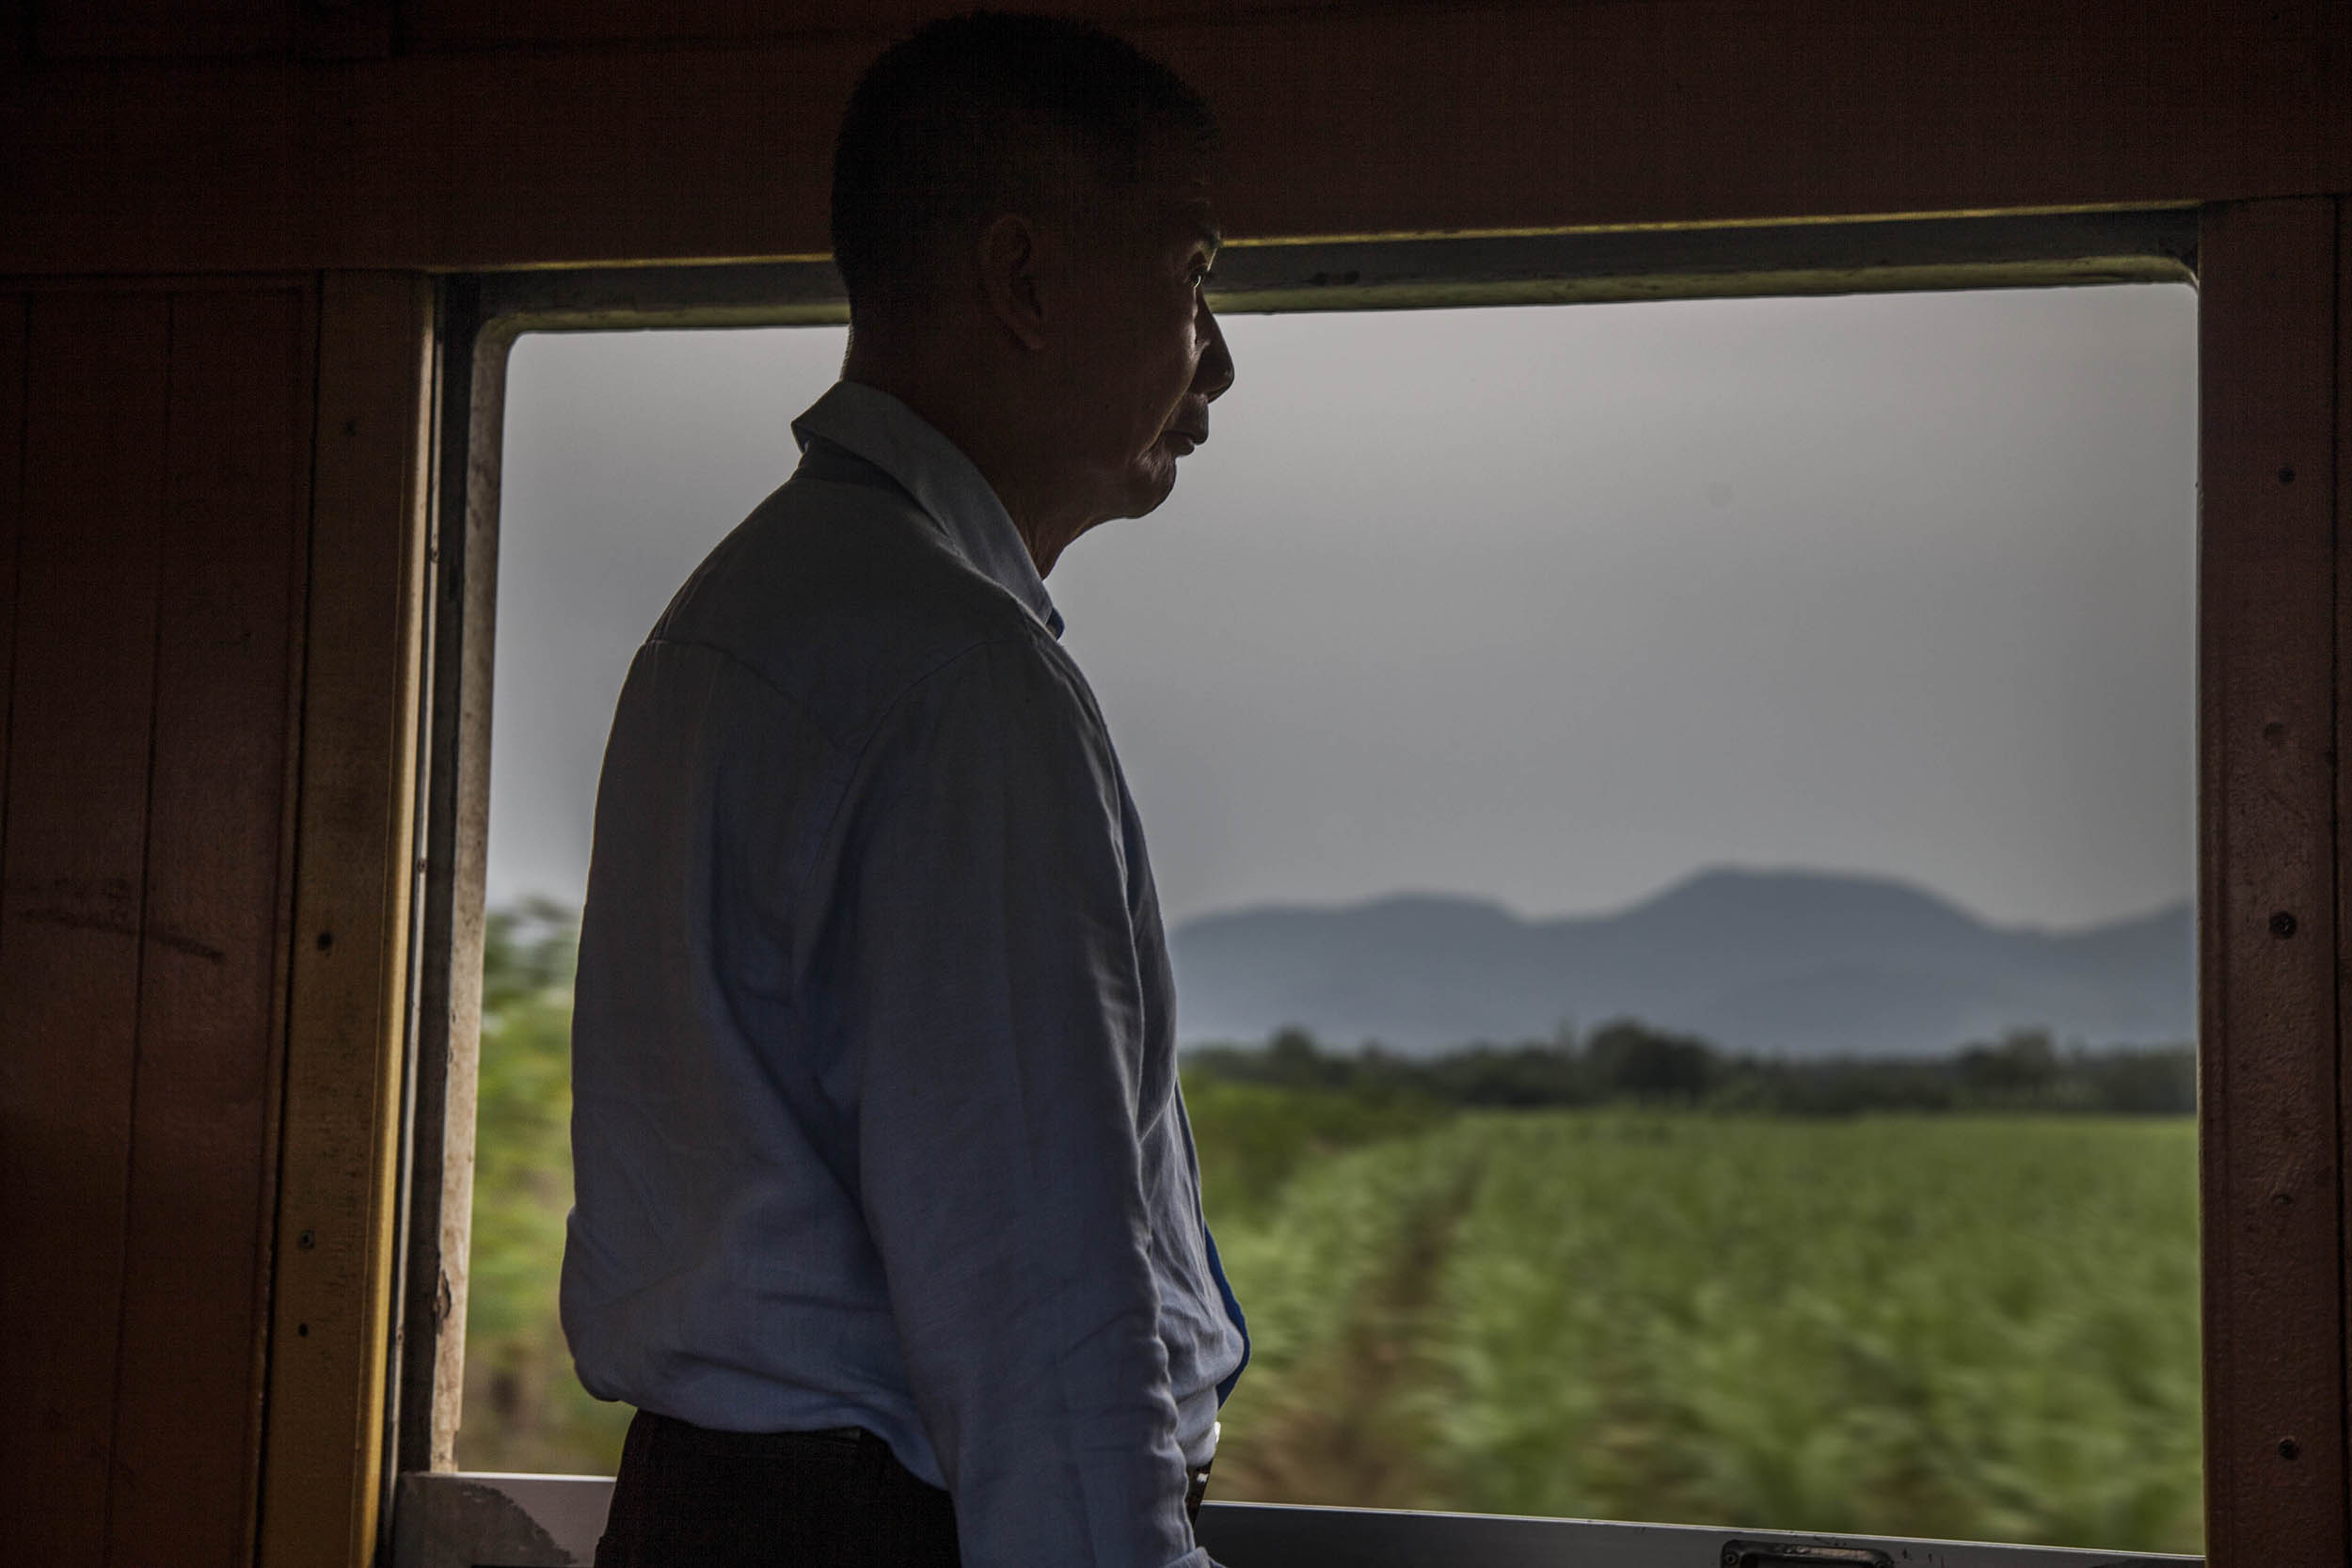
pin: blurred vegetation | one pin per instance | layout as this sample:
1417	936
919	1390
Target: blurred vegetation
523	1409
1981	1327
1622	1278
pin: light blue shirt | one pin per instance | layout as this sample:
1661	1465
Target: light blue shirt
876	1118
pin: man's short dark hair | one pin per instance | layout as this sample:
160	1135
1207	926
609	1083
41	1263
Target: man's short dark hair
946	131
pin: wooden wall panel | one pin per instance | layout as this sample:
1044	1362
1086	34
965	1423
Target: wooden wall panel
2343	506
1674	110
441	25
164	444
161	29
330	1316
1387	120
203	1155
12	326
2335	120
72	910
13	1114
2268	907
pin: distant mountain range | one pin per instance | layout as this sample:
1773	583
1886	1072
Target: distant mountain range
1792	963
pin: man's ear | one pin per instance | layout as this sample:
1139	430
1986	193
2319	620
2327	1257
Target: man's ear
1010	268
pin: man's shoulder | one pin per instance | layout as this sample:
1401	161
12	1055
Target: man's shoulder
840	597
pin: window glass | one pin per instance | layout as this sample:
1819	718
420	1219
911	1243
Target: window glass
1675	822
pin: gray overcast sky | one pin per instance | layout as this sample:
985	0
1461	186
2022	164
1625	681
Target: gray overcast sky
1555	606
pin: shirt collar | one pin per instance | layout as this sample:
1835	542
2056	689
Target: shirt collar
871	424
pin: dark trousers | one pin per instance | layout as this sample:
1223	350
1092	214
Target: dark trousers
691	1497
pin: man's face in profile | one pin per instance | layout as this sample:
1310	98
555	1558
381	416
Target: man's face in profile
1146	356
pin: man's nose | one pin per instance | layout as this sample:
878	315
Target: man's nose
1216	371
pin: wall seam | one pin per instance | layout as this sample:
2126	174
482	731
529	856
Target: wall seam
305	372
2335	858
138	968
16	565
298	698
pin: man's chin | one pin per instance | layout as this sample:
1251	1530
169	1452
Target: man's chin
1150	488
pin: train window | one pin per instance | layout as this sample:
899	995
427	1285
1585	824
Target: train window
1674	820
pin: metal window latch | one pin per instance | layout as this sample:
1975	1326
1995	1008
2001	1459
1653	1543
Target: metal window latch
1775	1554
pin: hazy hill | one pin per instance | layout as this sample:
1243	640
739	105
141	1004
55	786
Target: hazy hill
1794	963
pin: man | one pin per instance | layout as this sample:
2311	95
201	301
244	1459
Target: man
888	1219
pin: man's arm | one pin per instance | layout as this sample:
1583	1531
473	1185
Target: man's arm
994	1010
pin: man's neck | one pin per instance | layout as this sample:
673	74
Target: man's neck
991	431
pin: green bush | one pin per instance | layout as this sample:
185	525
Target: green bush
1252	1136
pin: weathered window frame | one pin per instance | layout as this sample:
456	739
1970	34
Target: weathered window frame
438	1514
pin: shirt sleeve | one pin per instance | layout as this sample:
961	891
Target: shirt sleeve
995	1010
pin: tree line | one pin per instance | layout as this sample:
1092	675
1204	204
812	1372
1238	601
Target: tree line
1628	1062
530	949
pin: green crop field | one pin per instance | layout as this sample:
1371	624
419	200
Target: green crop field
1972	1326
1929	1325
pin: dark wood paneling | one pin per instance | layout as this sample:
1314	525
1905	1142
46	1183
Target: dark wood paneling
161	29
70	912
12	324
2343	498
2268	911
1679	111
2335	130
456	25
1404	119
331	1308
202	1156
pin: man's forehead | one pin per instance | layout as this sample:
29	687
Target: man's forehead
1184	208
1174	183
